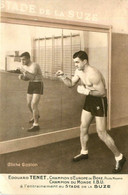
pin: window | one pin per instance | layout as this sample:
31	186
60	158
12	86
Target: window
55	52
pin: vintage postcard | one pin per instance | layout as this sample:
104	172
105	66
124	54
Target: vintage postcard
63	97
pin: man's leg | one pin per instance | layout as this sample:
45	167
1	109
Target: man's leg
86	119
104	136
29	101
34	106
35	102
107	139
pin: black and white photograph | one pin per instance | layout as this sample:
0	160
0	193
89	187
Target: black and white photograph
63	97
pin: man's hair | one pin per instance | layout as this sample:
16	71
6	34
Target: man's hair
25	54
81	54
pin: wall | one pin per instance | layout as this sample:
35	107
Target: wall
110	12
22	43
119	79
98	46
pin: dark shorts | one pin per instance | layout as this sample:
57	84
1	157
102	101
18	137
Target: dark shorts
96	105
35	88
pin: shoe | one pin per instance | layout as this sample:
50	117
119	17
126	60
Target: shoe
32	120
80	157
34	128
119	165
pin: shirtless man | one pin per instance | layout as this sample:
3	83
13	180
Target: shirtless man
93	88
31	71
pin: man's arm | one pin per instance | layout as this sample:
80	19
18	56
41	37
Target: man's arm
28	74
98	86
98	90
68	82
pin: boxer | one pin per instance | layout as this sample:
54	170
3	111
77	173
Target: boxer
31	72
95	105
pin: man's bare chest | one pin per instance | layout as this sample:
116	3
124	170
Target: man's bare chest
85	78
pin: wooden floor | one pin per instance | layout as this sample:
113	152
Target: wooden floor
57	158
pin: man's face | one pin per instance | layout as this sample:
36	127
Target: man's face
79	64
24	60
